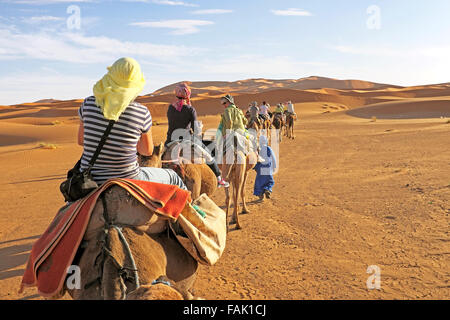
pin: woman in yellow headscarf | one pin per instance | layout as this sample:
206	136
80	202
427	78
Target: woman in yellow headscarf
120	86
114	99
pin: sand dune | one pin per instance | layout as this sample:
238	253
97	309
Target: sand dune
349	94
349	192
47	101
255	85
313	95
406	109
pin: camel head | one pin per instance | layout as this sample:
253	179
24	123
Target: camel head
154	160
160	289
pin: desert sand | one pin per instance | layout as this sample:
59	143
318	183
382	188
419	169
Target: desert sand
365	182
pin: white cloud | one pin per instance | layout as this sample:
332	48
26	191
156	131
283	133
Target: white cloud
78	48
292	12
165	2
406	65
395	52
180	26
43	85
175	3
250	66
40	2
40	19
212	11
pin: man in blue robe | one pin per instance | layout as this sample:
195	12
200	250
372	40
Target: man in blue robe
264	181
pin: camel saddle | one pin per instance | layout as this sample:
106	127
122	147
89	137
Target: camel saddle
152	205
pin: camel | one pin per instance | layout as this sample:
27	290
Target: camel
278	123
266	125
236	173
290	120
110	272
254	125
199	178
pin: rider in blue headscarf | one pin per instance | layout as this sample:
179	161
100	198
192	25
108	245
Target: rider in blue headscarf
264	181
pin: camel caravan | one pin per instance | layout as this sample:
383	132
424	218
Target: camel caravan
282	119
139	218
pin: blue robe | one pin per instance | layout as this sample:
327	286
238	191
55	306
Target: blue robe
264	172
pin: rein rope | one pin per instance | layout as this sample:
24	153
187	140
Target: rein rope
124	271
176	161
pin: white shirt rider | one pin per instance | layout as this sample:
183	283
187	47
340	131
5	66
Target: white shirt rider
264	109
290	107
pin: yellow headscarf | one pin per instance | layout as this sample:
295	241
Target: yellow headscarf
119	87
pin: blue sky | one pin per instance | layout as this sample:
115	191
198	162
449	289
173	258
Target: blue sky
45	53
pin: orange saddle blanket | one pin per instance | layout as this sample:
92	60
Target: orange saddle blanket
53	253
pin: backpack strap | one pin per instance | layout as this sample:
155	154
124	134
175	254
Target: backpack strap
101	144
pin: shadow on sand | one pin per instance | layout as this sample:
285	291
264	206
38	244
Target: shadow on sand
60	177
257	201
13	257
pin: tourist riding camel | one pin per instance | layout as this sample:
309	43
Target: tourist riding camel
291	116
233	120
279	120
264	111
183	123
238	146
114	99
291	109
253	114
233	124
279	110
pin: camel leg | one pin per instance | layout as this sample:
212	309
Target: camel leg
227	173
239	187
291	128
236	191
227	203
244	203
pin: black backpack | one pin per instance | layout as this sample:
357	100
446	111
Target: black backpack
80	183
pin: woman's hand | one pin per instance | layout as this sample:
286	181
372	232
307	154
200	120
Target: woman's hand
145	144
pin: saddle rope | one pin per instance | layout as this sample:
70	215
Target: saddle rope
125	244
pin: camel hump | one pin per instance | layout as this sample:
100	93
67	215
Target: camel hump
124	210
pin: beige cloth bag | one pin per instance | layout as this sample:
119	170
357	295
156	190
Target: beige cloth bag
203	238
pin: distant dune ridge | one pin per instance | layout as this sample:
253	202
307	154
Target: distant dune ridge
256	85
391	101
47	101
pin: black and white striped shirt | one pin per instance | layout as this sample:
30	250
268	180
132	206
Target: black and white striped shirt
117	158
